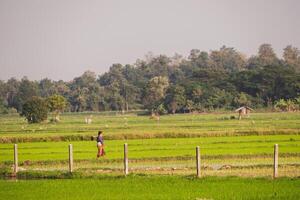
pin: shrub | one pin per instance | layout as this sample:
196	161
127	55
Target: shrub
12	111
3	107
287	105
161	109
35	110
297	103
56	104
281	105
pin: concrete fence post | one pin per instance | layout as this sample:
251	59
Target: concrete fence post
275	169
125	159
198	161
70	158
15	158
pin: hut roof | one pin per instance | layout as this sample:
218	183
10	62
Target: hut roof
243	107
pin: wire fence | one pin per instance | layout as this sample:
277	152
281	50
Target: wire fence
71	159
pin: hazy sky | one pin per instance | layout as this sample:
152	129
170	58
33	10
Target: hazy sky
60	39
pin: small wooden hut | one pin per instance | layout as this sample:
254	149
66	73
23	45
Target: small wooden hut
243	111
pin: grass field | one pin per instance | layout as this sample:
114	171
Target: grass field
73	127
152	148
239	152
243	149
228	147
152	187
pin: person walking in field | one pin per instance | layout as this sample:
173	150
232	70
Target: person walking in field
100	144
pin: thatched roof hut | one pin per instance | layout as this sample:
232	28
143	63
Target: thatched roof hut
244	110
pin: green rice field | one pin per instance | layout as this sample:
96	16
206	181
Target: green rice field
73	126
234	154
228	147
152	187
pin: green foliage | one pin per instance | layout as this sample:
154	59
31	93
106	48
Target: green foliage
297	102
227	59
189	105
281	105
35	110
291	56
175	99
155	91
3	107
242	100
56	105
161	110
27	89
218	98
290	105
220	79
287	105
266	55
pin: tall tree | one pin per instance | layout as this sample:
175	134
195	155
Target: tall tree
27	90
267	55
199	58
253	63
291	56
209	80
3	99
242	99
56	105
228	59
35	109
45	87
155	91
12	86
85	92
175	98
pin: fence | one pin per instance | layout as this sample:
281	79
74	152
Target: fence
126	160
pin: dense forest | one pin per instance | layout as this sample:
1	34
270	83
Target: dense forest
203	81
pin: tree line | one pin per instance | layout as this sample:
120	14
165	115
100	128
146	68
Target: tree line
204	81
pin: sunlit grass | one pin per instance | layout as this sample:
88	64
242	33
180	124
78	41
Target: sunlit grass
157	147
152	187
148	148
142	126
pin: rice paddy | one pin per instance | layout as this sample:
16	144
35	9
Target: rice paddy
229	147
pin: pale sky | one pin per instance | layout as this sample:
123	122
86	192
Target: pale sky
60	39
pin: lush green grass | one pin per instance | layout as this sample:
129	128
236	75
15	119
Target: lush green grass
130	126
228	148
246	144
153	148
239	152
152	187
